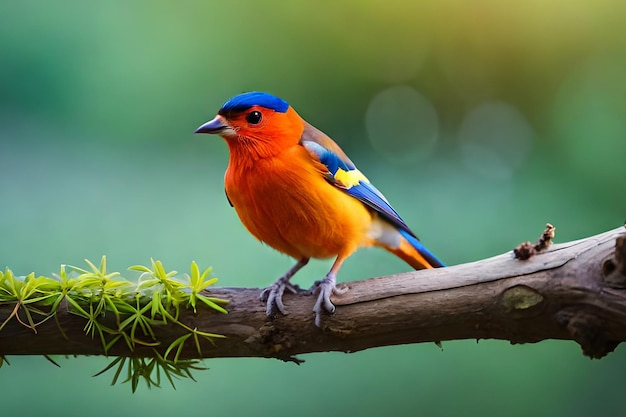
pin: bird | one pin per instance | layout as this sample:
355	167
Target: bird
295	190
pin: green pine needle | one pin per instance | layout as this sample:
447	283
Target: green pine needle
93	292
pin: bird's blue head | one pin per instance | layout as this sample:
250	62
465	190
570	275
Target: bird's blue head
254	98
257	124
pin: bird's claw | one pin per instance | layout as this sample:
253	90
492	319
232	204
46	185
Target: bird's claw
326	288
273	296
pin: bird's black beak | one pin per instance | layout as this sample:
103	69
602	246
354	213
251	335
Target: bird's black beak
214	127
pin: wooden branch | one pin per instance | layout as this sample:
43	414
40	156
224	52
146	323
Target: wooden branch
574	291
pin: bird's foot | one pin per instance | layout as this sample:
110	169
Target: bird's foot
326	288
273	295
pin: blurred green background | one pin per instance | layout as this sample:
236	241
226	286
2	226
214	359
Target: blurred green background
480	121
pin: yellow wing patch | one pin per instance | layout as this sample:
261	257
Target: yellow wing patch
349	179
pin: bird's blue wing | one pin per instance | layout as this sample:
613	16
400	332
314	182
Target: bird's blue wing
343	174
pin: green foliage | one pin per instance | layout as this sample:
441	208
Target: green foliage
150	370
92	293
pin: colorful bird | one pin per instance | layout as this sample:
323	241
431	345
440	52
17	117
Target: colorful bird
297	191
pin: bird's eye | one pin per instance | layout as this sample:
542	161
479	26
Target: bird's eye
254	117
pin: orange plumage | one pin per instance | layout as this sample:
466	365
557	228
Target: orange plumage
294	189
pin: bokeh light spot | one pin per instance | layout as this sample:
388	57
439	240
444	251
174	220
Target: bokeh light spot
402	124
495	139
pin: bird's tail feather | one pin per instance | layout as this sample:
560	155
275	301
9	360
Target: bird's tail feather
413	252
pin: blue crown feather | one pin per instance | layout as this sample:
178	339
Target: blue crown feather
255	98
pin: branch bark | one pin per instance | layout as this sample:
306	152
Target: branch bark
573	291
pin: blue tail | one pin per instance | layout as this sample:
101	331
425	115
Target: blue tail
428	255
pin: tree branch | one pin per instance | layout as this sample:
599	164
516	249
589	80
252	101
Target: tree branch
573	291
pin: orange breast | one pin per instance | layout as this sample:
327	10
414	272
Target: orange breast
285	202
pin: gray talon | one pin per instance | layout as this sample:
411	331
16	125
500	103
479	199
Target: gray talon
326	287
273	296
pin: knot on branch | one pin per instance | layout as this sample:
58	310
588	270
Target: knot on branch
588	329
520	298
614	270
